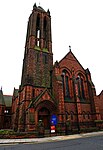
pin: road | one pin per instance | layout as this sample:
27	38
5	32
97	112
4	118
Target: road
89	143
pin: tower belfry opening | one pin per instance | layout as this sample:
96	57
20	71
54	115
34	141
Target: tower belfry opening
38	31
45	33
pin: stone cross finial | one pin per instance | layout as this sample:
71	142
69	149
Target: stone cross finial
69	48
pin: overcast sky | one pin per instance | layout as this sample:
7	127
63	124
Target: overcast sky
78	23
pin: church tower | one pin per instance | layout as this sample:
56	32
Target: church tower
36	82
38	57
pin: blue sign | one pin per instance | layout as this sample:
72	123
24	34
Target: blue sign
54	120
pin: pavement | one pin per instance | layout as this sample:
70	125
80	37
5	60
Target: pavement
49	139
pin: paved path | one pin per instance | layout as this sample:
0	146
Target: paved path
49	139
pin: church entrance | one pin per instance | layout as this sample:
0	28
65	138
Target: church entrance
44	115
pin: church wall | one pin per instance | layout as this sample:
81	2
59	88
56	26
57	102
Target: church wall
100	104
81	109
2	109
74	100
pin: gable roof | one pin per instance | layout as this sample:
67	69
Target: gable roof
39	96
101	93
8	100
2	102
71	57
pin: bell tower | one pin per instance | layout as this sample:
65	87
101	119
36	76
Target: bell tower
38	57
37	68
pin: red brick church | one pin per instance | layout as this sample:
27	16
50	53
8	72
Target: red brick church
64	90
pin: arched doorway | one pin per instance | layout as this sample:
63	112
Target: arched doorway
44	115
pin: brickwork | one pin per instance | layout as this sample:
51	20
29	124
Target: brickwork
99	105
65	89
2	108
81	109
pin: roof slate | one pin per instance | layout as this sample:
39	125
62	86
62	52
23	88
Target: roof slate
2	102
8	100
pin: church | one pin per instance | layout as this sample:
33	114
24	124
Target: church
54	94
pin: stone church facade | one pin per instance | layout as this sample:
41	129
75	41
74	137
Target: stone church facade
64	89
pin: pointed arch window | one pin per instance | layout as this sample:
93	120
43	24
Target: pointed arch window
45	32
81	91
38	30
67	115
84	115
72	115
66	88
88	115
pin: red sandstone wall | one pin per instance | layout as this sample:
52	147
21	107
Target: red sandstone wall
100	104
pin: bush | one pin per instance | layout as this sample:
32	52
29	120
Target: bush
9	134
98	121
86	130
6	132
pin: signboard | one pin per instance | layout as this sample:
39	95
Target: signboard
52	129
54	120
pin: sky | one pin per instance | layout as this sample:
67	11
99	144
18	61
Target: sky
78	23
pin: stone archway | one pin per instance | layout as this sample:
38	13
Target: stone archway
44	115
